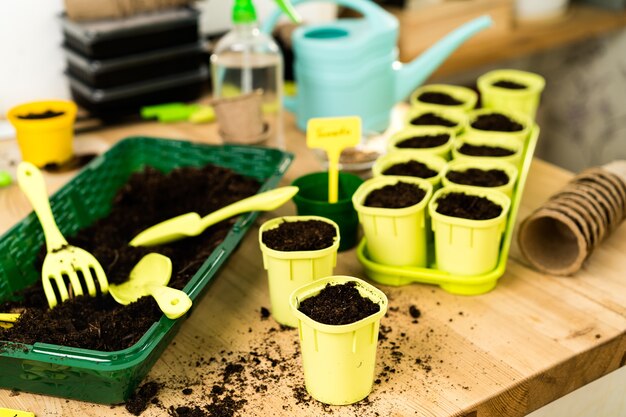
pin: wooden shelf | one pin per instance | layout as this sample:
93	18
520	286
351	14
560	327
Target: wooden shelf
506	39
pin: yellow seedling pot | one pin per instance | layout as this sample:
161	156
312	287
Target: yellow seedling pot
433	162
456	116
287	271
467	96
395	236
464	246
523	101
44	141
463	165
338	360
442	151
513	145
520	136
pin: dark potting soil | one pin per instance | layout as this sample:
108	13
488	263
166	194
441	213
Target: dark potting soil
398	195
511	85
140	400
496	122
300	235
468	207
438	98
479	177
482	150
411	169
148	198
338	304
48	114
76	162
431	119
424	141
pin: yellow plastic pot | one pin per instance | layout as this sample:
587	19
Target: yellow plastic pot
44	141
521	135
467	96
513	145
287	271
394	236
464	165
442	151
523	101
456	116
338	360
433	162
464	246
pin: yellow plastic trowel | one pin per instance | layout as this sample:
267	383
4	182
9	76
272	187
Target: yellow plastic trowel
333	135
150	277
7	319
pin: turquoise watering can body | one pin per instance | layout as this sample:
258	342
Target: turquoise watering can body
349	67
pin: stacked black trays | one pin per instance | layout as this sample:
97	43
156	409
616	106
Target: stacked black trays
117	66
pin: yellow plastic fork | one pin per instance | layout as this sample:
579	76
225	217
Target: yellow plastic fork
62	258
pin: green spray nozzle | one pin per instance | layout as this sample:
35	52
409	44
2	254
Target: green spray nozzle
244	12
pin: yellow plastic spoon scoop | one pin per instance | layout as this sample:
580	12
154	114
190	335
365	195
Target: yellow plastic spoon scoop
333	135
7	319
150	277
191	224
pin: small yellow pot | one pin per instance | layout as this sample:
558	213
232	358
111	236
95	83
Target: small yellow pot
515	146
523	101
433	162
456	116
44	141
287	271
442	151
338	360
467	96
394	236
464	246
464	165
521	135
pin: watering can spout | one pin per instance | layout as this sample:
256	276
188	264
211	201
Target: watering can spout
411	75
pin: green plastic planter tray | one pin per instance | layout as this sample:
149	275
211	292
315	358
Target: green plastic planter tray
110	377
457	284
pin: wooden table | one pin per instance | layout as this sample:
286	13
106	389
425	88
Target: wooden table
530	341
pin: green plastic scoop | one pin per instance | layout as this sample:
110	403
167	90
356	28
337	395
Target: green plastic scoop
191	224
150	277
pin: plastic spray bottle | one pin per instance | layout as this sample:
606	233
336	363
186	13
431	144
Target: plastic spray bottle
246	59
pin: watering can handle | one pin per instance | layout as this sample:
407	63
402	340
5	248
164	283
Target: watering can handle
370	10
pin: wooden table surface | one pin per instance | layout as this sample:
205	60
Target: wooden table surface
528	342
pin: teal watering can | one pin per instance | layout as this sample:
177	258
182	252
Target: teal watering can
349	67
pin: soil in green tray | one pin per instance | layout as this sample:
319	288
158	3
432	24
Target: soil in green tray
48	114
148	197
496	122
338	304
424	141
479	177
431	119
467	206
508	84
301	235
482	150
398	195
433	97
411	169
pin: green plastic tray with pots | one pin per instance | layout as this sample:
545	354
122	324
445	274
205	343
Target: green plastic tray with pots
287	271
338	360
101	376
395	236
518	135
409	132
466	96
402	156
516	150
463	165
456	283
458	119
524	97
